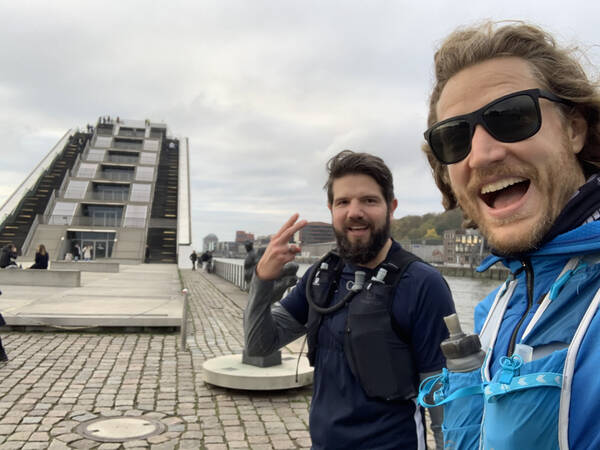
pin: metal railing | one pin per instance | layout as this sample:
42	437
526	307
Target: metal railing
115	176
108	196
122	159
231	271
92	221
133	145
130	132
32	228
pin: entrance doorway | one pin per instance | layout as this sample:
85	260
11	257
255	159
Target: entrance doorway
100	243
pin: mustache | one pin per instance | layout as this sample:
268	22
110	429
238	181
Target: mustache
480	175
356	223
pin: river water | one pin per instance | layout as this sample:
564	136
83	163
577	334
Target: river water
467	292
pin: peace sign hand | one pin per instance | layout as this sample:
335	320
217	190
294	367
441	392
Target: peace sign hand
279	251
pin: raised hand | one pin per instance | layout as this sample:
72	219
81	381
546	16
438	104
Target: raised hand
279	251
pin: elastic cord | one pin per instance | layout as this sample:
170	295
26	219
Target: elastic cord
320	309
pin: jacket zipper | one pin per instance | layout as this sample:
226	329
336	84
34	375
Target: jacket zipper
525	264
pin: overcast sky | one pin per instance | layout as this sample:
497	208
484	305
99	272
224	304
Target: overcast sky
266	91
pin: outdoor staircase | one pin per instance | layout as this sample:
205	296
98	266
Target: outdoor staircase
162	237
16	226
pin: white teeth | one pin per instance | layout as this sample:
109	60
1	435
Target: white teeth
501	184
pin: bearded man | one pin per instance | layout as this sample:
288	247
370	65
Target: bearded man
373	314
514	140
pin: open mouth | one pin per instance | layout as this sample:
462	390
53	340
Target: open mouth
357	228
505	192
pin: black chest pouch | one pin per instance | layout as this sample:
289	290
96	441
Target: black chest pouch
380	358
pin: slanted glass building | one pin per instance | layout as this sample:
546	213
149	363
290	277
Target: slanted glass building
121	188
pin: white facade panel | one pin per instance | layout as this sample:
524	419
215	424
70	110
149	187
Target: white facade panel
76	189
151	145
140	192
135	216
148	158
103	141
96	154
87	170
144	173
63	213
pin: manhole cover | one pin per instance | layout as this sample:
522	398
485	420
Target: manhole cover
119	429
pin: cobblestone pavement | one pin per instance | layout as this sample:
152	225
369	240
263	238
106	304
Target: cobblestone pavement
55	382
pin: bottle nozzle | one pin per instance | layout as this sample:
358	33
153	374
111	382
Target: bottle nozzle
453	325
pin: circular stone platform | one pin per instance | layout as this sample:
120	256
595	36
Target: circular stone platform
229	371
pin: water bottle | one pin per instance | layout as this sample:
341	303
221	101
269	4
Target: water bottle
462	351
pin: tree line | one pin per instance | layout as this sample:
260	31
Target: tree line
430	226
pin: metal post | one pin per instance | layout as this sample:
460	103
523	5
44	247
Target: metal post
184	320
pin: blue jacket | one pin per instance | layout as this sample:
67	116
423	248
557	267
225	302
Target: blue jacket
546	396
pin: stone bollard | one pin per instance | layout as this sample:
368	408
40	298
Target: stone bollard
184	320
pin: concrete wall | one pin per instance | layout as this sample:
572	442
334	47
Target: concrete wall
86	266
495	273
183	256
49	235
130	244
55	278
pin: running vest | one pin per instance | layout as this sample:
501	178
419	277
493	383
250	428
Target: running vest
377	352
526	403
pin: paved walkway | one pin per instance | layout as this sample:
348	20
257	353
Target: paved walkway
56	381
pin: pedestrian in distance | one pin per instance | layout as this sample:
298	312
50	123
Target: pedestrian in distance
194	258
76	252
3	355
86	252
41	258
8	257
514	140
372	312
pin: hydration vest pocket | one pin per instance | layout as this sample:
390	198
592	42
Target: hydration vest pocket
462	416
380	360
526	403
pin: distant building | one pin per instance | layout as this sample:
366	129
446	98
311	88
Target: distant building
315	233
242	236
209	243
121	189
427	252
261	241
229	249
465	247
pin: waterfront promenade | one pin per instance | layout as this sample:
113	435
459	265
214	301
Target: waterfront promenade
57	381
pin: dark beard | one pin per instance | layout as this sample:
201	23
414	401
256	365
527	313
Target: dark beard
363	253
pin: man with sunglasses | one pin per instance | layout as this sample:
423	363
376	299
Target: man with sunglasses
514	140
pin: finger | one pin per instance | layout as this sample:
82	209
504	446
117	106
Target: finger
294	249
287	234
287	224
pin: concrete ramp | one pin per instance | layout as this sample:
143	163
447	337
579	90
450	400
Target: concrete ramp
139	296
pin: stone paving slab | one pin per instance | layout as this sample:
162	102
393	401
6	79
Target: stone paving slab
55	381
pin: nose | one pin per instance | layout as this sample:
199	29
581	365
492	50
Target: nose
485	150
355	210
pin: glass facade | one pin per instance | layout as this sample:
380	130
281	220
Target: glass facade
101	243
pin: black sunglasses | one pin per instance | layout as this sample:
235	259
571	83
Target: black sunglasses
511	118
